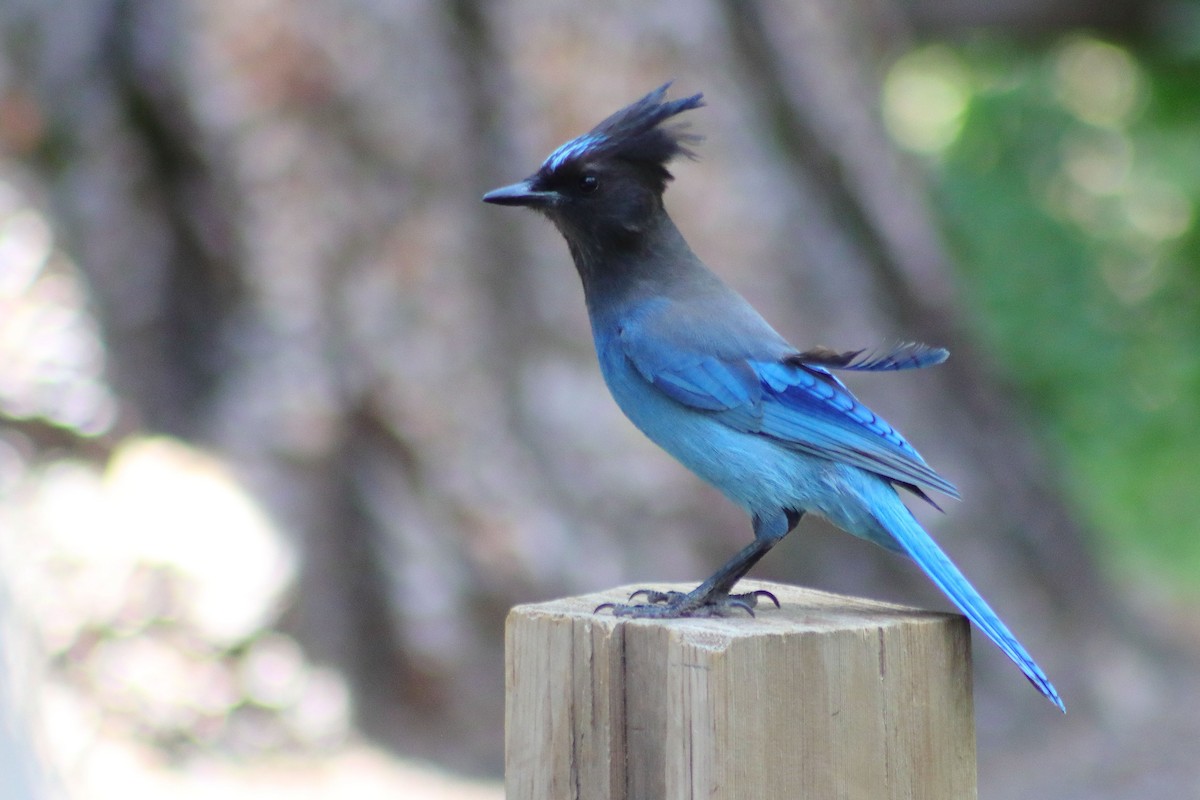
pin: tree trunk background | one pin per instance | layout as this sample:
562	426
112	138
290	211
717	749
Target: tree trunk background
276	206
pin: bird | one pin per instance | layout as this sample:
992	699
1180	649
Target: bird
700	372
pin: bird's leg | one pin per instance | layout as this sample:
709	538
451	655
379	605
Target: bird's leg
712	598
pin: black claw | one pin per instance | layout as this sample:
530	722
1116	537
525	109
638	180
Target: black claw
655	597
742	604
672	605
770	596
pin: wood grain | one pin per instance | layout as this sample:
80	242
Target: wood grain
829	697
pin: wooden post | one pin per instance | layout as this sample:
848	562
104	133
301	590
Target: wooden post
830	697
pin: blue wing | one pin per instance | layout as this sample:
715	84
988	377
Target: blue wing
799	404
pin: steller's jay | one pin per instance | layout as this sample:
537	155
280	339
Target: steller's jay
696	368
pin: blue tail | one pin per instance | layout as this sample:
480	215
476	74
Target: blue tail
914	541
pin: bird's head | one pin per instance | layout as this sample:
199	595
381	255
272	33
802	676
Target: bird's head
607	185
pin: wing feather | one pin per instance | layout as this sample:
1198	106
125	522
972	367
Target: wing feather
800	406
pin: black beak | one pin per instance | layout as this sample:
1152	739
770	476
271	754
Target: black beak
521	194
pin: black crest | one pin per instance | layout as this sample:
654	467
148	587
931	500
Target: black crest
636	134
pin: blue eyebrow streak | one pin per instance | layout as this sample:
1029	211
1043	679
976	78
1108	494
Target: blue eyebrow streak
574	148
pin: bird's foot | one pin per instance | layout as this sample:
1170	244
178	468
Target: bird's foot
673	605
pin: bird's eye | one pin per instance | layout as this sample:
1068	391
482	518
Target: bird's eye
588	183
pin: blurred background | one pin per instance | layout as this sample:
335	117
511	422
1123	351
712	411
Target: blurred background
289	419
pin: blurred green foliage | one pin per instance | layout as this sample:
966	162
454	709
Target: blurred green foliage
1070	193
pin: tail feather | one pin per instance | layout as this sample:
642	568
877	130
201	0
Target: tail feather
919	546
905	355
